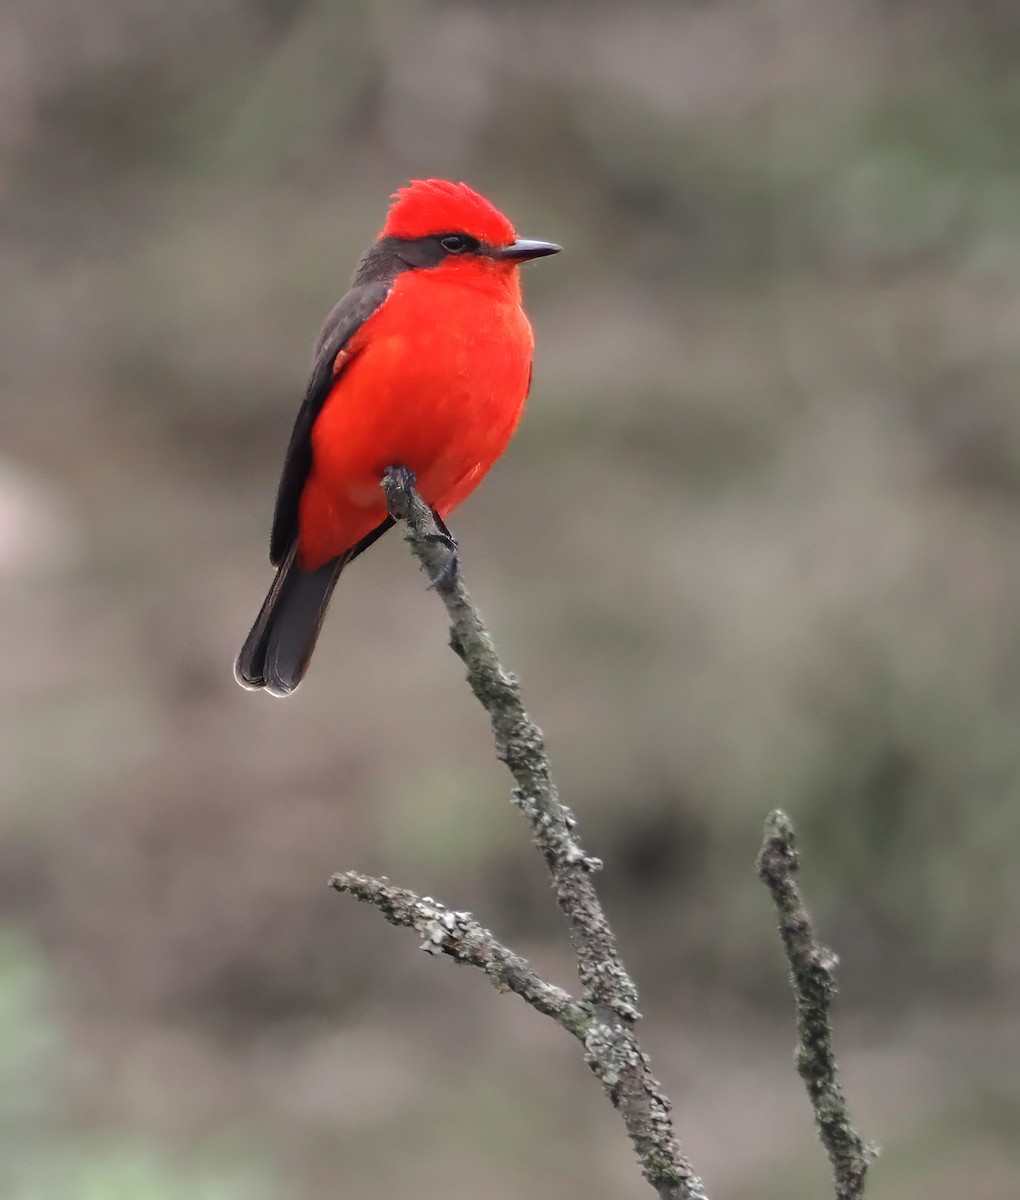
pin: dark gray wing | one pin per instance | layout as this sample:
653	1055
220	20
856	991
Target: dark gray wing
341	325
378	267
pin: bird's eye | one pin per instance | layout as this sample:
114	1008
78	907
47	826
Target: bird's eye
456	243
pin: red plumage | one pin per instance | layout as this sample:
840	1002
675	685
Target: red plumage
429	206
425	364
436	382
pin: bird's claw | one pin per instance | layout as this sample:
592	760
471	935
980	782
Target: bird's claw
398	484
449	572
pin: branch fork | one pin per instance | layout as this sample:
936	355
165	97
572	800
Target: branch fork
604	1017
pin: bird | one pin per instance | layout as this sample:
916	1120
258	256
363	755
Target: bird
424	365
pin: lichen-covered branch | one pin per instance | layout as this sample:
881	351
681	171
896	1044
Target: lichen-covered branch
462	938
812	972
520	745
609	995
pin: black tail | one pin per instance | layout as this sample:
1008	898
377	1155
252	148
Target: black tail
276	653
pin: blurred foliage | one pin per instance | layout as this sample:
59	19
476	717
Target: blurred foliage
42	1159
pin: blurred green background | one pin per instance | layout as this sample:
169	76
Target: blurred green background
754	545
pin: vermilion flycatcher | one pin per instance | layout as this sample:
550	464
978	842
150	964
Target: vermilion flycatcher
424	364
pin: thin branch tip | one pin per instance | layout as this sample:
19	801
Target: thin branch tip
778	824
813	979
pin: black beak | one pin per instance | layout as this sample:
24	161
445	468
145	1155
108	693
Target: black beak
523	249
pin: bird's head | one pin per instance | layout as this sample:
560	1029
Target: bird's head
434	223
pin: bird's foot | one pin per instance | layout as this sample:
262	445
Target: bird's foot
398	484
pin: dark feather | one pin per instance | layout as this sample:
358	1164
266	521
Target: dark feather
277	651
343	322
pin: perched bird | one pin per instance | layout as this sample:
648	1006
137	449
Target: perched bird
425	364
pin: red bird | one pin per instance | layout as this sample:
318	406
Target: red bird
424	364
